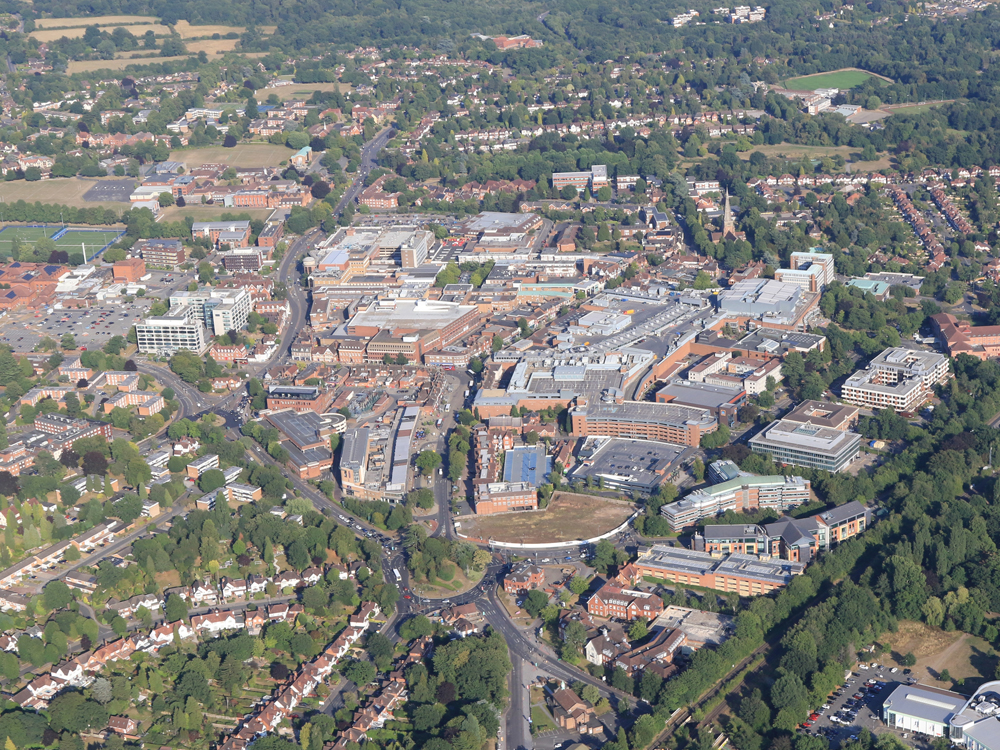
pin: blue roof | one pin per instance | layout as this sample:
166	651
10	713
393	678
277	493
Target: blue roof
527	464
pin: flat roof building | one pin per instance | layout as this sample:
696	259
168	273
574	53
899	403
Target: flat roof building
824	414
740	495
745	575
669	423
167	334
898	378
626	464
722	401
795	444
221	310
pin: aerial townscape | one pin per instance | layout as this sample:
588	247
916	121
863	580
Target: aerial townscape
499	376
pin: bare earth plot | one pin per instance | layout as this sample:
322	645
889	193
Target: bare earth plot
569	517
243	155
963	655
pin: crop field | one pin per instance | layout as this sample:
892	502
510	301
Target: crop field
89	66
837	79
62	23
212	46
49	35
243	155
568	517
189	31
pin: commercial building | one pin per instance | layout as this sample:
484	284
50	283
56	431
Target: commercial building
796	539
299	398
354	460
412	327
721	401
931	711
775	304
740	495
977	725
898	378
669	423
797	444
167	254
242	260
221	310
167	334
504	497
745	575
129	271
623	464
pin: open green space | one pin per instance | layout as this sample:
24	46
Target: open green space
838	79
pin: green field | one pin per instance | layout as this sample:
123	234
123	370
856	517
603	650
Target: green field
92	239
27	235
841	79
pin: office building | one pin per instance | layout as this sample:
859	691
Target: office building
796	444
827	414
796	539
898	378
595	178
740	495
959	337
166	334
813	272
221	310
354	460
745	575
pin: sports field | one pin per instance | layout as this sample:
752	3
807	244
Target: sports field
71	239
242	155
838	79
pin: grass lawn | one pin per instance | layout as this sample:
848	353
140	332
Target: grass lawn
92	239
541	721
458	584
62	23
67	191
26	233
211	213
568	517
838	79
913	109
243	155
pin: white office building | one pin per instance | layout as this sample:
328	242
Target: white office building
167	334
221	310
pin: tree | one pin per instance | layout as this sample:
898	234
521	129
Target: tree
57	595
229	141
94	462
68	341
579	584
175	609
703	281
211	480
535	602
910	659
428	461
360	672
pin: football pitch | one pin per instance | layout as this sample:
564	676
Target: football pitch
90	242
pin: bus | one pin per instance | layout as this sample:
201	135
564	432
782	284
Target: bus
395	572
